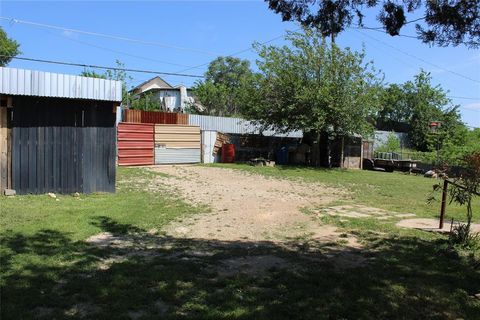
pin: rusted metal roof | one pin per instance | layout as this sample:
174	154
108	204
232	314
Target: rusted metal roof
24	82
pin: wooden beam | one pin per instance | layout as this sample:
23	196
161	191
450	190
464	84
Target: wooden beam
444	203
3	150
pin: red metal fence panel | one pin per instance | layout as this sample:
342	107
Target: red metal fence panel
135	143
156	117
182	118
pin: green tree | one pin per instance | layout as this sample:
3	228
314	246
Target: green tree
8	48
442	22
465	187
395	107
418	103
225	80
467	142
212	97
428	103
146	102
92	74
313	87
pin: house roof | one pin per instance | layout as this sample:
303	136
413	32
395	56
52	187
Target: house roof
24	82
154	83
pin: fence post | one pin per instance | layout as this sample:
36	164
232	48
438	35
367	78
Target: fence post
444	202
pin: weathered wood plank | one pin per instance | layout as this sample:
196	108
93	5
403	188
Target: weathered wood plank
3	149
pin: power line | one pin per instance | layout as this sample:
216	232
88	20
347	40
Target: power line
103	67
117	51
103	35
384	32
239	52
420	59
466	98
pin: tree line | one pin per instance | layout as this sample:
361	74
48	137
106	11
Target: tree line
315	86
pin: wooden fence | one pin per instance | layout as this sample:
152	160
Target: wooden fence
156	117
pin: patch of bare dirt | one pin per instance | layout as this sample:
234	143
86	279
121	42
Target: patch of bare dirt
361	211
426	224
244	206
245	212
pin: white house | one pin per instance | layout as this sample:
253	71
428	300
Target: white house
171	98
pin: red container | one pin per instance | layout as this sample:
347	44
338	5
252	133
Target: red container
228	153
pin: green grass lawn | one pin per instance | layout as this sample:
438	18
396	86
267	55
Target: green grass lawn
48	271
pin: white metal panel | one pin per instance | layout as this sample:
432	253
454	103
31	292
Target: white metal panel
46	84
176	156
235	126
60	85
54	84
27	81
47	80
208	144
2	82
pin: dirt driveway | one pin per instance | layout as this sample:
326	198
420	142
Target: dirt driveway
248	207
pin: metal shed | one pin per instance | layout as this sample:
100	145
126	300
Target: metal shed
57	132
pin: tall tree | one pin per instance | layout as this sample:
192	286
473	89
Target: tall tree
442	22
313	87
9	48
419	103
224	82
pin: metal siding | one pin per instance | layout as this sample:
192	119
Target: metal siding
46	84
176	156
235	126
208	144
135	144
177	136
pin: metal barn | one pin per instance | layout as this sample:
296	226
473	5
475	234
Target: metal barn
57	132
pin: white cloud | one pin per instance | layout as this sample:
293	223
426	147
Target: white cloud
70	34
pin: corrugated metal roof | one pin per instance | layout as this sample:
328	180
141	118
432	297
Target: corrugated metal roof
235	125
47	84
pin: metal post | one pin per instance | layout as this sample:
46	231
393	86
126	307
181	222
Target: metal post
444	202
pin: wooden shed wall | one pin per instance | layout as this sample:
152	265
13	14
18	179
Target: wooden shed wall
5	148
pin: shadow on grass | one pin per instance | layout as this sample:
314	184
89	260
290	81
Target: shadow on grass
143	276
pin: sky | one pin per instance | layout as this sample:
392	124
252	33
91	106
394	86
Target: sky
184	36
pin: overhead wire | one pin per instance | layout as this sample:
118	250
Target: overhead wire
238	52
103	67
420	59
104	35
118	51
